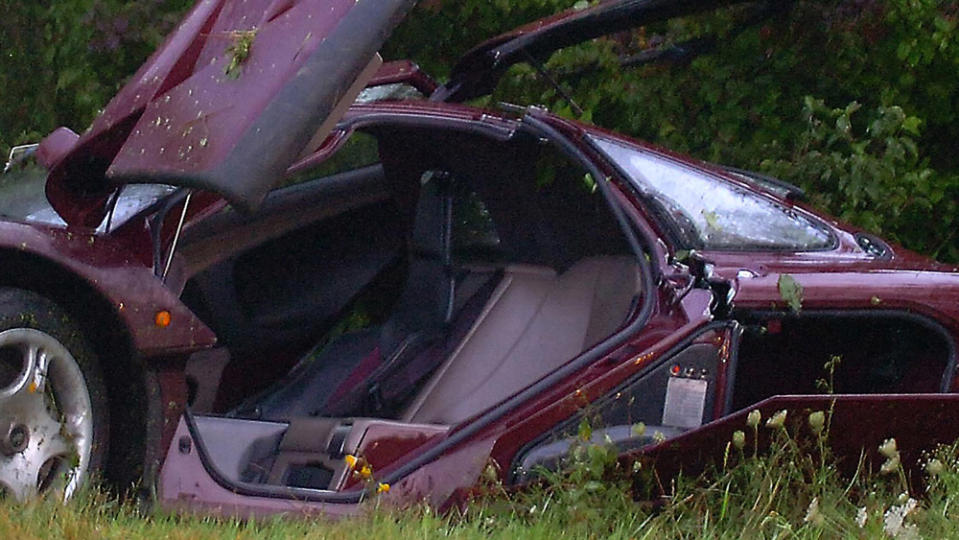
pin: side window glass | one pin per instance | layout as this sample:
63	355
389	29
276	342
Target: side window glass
713	213
360	150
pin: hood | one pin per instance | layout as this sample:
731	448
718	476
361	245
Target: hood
231	99
479	70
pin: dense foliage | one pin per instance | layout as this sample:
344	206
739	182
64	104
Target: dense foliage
854	100
60	62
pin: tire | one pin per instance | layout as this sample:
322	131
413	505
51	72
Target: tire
54	415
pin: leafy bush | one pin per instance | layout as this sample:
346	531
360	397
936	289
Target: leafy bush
62	61
869	172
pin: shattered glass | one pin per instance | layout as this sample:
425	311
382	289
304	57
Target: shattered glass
713	213
389	92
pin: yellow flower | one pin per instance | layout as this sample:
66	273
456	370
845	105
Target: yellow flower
777	421
382	488
753	419
366	471
350	461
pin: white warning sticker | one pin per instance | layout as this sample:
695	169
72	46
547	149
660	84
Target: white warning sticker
685	400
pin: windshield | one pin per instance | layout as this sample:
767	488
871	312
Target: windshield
23	198
712	213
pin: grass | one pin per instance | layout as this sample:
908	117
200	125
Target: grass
793	490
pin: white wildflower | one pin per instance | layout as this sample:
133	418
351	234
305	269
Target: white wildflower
861	517
909	532
891	465
893	521
888	449
777	421
753	419
813	515
934	467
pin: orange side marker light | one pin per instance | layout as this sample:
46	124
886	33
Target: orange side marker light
162	319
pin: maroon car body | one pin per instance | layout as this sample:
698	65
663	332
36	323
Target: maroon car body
213	328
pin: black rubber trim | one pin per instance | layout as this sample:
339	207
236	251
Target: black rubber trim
732	364
792	191
378	119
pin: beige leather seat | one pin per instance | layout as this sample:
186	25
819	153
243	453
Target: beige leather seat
534	322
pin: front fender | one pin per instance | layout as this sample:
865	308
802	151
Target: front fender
108	267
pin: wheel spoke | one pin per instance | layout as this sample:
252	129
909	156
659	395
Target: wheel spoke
48	447
40	361
18	477
53	445
20	474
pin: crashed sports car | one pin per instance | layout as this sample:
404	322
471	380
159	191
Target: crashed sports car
279	275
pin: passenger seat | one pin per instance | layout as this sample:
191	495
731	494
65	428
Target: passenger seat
534	322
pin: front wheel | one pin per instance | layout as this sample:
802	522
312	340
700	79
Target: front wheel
53	410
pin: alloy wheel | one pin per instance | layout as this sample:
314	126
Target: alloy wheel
46	417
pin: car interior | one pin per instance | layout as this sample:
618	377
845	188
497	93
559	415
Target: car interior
421	286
